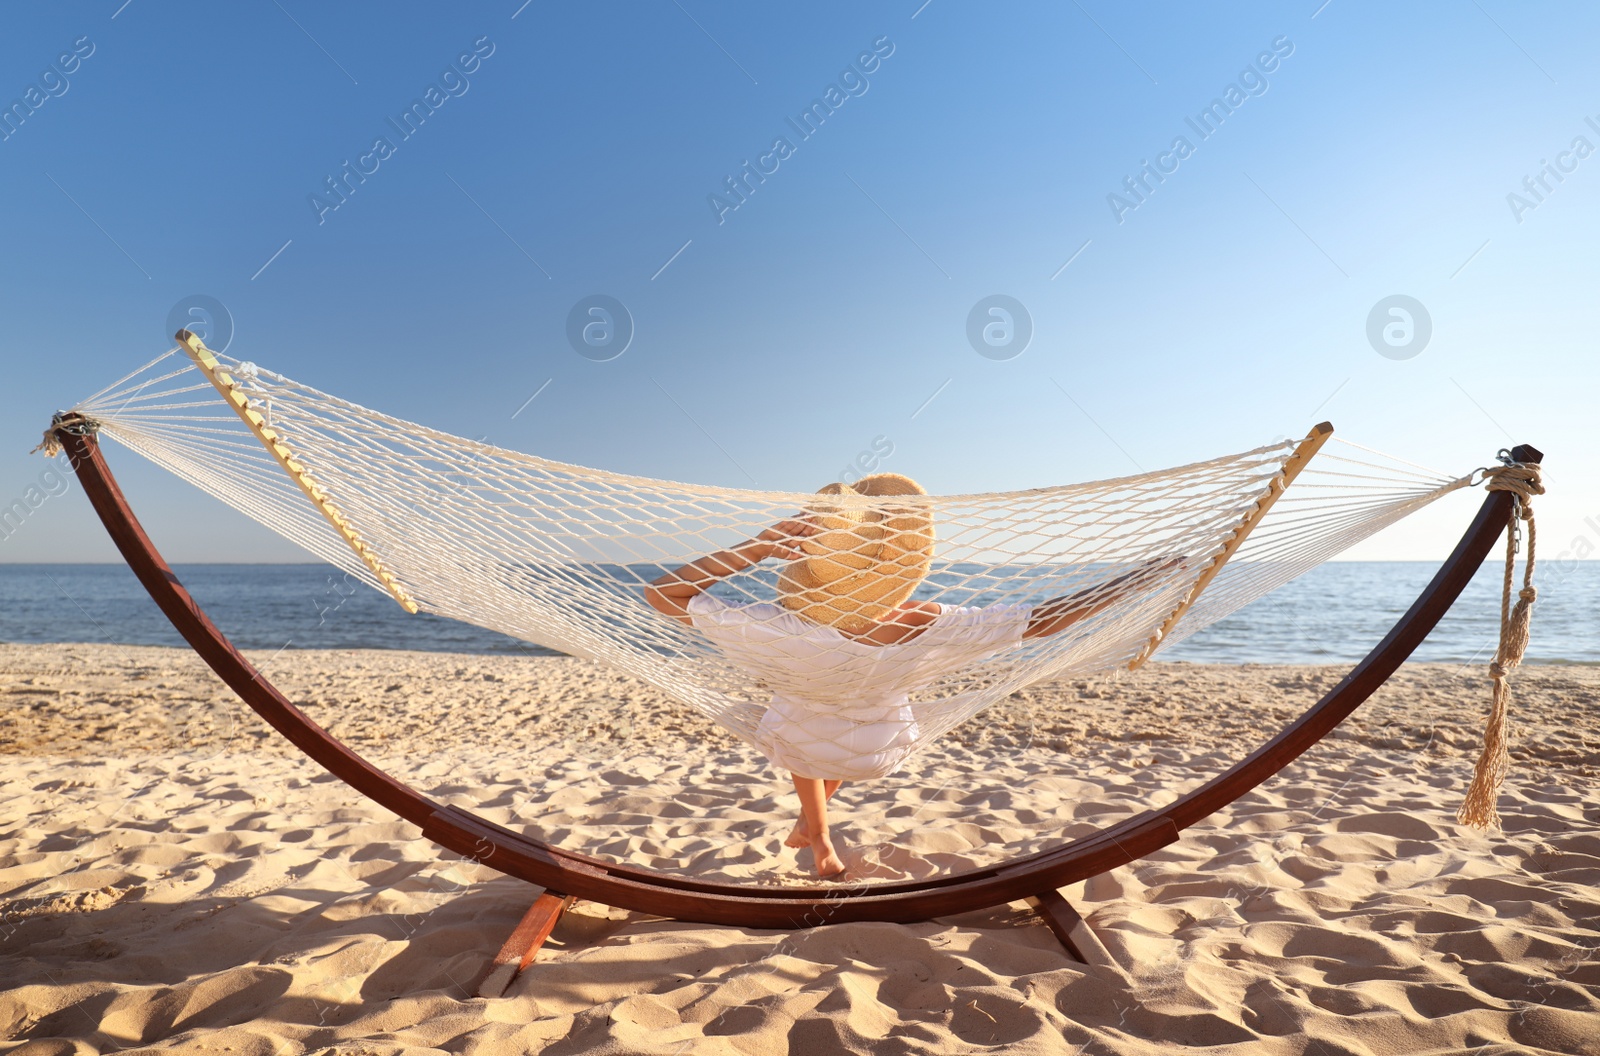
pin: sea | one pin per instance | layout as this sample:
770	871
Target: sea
1332	615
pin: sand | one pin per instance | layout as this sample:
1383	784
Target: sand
174	876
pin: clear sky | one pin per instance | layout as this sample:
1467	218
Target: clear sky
1358	152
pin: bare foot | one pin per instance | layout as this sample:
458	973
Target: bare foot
799	837
828	862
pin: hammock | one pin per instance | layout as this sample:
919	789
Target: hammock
559	555
1359	491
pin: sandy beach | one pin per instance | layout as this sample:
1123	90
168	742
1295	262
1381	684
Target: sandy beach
173	875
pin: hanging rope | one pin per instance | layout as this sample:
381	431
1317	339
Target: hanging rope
1522	479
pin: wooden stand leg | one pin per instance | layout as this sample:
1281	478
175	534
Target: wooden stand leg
524	942
1074	932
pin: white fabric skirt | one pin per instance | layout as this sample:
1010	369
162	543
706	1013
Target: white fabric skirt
835	744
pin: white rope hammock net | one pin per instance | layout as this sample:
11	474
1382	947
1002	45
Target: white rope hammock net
559	555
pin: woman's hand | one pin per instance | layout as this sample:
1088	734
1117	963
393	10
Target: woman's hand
670	592
783	539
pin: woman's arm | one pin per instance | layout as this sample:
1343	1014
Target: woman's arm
670	593
1058	614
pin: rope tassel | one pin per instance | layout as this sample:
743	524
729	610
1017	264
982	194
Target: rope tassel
1478	809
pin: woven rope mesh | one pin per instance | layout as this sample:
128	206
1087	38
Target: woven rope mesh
560	555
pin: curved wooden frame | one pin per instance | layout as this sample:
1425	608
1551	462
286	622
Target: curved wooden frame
685	898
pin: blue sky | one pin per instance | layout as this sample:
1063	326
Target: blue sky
575	152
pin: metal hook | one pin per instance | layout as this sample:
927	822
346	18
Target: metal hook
74	422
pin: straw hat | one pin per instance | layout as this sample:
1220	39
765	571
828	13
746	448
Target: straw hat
866	560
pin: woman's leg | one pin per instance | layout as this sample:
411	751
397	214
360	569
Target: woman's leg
801	836
814	809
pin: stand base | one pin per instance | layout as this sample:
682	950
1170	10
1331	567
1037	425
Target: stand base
524	942
1081	943
526	939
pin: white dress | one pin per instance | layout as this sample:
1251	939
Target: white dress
840	708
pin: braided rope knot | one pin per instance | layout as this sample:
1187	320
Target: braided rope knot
1522	479
49	445
72	422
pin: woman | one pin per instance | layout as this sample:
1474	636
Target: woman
847	644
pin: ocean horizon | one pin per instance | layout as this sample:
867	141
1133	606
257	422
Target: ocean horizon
1333	614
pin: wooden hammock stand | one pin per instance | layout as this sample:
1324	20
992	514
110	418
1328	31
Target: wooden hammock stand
566	875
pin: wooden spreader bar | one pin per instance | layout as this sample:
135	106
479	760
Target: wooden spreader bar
277	446
1292	466
1035	877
